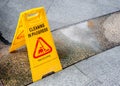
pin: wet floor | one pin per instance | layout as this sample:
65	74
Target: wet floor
73	43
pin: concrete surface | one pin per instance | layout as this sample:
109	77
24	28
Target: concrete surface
99	70
60	13
64	13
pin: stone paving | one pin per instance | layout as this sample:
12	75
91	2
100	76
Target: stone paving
100	70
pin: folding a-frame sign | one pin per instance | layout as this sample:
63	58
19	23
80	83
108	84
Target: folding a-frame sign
33	31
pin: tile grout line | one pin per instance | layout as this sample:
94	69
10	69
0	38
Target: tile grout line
81	71
50	6
92	79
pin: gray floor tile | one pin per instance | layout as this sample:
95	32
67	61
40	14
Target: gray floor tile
99	67
68	77
94	83
110	83
63	13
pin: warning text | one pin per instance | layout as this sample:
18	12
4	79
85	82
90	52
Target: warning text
37	30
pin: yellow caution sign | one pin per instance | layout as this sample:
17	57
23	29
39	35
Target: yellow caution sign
34	31
19	37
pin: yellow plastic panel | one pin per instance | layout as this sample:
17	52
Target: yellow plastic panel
19	37
42	53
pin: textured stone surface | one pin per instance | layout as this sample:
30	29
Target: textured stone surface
111	34
76	43
103	68
14	68
86	39
94	83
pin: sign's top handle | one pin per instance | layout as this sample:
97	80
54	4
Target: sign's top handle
33	14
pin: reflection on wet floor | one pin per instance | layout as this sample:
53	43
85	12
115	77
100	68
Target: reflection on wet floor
88	38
